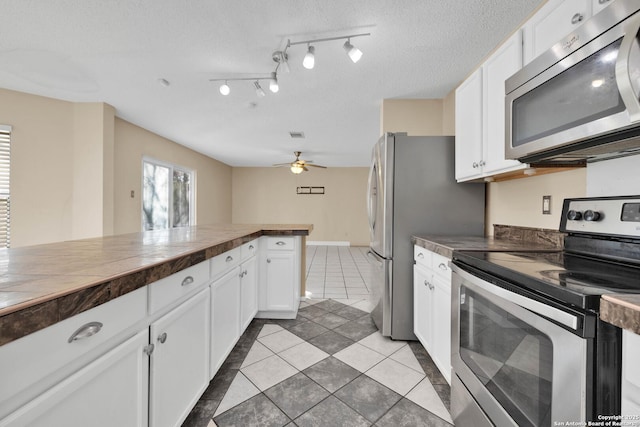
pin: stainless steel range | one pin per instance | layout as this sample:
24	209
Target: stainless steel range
528	348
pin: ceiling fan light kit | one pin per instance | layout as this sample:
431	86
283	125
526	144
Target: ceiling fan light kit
281	58
299	165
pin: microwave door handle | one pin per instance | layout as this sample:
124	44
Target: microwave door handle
623	73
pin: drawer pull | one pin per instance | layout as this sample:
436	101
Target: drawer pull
187	281
241	275
229	258
443	266
251	247
578	17
162	337
420	255
268	260
86	331
148	349
280	243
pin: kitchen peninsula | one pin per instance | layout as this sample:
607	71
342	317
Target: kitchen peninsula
134	326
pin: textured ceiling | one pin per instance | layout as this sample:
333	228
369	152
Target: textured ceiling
115	51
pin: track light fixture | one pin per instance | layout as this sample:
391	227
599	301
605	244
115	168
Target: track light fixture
225	89
273	83
259	90
309	59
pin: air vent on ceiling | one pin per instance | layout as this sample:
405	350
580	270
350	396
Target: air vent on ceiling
296	134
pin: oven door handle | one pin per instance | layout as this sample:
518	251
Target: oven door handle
537	307
623	73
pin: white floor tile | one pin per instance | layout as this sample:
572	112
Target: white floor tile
212	424
364	305
257	353
395	375
269	329
268	372
407	358
359	357
280	341
241	389
335	295
383	345
426	396
303	355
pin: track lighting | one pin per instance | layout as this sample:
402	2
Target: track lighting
259	90
309	59
225	89
273	83
354	53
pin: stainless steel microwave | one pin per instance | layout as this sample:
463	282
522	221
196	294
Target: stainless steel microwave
579	101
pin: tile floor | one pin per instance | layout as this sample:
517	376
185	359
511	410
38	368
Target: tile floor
328	367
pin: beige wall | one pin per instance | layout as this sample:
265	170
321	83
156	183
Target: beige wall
213	178
268	195
417	117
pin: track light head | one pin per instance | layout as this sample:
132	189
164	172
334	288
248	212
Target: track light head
225	89
281	58
273	83
354	53
259	90
309	60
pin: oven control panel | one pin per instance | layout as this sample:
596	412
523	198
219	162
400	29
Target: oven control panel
616	216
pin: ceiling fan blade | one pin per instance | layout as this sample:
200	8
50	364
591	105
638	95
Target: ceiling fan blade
282	164
305	168
318	166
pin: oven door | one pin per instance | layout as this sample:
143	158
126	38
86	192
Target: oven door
591	92
519	368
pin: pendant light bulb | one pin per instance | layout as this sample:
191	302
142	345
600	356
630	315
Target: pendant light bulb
309	60
273	83
225	89
259	90
354	53
296	168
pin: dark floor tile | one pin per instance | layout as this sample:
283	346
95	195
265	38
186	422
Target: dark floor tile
407	414
444	393
330	305
289	323
368	397
331	342
296	395
331	412
311	311
308	330
350	313
357	329
330	320
331	373
257	411
201	414
429	368
219	384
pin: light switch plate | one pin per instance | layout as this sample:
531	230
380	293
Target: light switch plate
546	205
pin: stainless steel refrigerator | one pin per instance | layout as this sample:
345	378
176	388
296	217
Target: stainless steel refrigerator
412	191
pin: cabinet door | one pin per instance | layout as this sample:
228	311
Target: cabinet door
441	322
279	287
111	391
469	127
248	292
422	305
500	66
225	317
180	361
551	23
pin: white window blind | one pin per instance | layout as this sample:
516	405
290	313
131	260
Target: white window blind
5	200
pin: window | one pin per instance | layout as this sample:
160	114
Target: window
167	196
5	169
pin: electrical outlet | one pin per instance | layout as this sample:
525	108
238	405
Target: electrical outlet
546	205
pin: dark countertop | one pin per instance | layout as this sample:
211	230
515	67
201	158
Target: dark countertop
44	284
622	311
445	245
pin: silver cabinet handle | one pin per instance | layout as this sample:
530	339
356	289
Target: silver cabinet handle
245	272
431	286
482	163
85	331
229	258
241	275
426	283
162	337
251	247
148	349
280	243
187	281
475	165
443	266
420	255
578	17
268	260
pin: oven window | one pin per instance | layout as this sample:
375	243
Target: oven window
512	359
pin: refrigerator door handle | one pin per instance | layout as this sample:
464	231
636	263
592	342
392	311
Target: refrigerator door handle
371	209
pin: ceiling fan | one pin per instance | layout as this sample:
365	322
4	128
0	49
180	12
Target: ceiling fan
299	165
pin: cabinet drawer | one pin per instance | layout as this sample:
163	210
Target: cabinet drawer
280	243
166	291
223	262
440	265
249	249
422	256
36	359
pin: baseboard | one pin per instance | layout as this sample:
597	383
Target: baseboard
328	243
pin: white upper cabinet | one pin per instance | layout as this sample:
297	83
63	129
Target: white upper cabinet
551	23
469	127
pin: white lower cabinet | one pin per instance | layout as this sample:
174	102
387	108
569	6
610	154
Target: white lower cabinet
630	377
225	317
432	307
179	371
279	290
248	292
110	391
